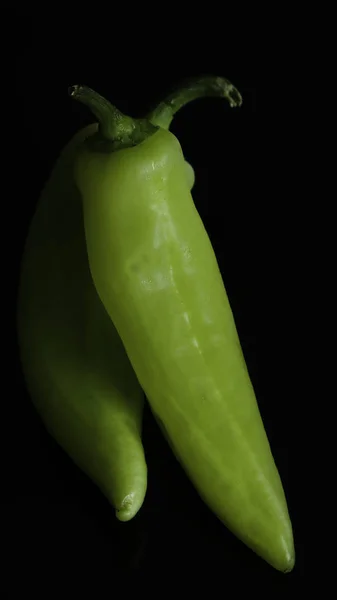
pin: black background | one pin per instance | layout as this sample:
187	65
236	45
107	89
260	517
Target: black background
62	526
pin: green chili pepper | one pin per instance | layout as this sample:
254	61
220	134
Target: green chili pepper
77	372
157	275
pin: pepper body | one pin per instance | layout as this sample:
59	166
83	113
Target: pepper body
157	275
77	372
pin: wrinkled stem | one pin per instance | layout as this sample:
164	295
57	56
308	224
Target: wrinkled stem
194	88
114	126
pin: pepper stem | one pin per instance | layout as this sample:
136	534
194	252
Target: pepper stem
193	88
114	127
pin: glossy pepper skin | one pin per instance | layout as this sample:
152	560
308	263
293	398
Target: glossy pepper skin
155	271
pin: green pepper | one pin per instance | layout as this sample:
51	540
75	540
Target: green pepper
76	369
77	372
156	273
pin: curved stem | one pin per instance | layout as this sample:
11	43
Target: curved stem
193	88
113	124
115	127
